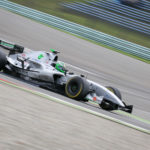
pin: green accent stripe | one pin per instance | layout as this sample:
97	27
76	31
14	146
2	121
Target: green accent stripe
131	116
52	50
77	107
92	102
7	44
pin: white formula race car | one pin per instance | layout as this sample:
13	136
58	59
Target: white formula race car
44	69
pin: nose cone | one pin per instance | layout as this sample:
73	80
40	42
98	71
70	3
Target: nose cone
113	98
119	102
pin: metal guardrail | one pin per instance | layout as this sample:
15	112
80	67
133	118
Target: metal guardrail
110	16
122	9
78	30
144	5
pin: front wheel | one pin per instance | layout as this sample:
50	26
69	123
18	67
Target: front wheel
107	105
3	60
77	88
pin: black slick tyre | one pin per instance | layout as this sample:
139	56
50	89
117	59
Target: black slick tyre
77	88
3	60
107	105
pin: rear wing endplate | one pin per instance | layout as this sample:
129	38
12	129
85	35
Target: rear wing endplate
12	47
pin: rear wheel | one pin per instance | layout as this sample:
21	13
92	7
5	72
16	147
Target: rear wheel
3	60
77	88
115	91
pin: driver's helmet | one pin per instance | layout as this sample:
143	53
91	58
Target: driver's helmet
60	66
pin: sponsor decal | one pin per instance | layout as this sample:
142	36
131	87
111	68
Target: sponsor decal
40	56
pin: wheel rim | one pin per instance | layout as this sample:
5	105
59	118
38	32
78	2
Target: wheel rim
74	88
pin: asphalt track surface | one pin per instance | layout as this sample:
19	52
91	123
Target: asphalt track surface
131	76
30	122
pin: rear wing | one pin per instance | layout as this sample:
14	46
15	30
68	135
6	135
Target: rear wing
12	47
